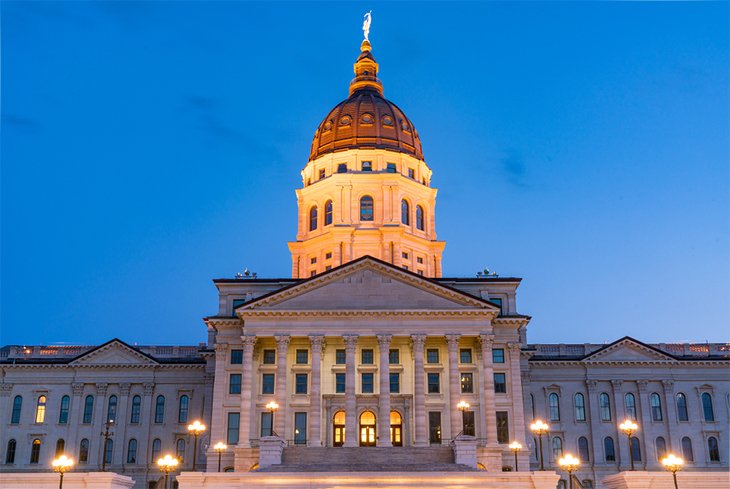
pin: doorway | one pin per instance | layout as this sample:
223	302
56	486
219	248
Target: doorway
396	429
367	429
338	429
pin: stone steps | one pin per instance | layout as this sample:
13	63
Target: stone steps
367	468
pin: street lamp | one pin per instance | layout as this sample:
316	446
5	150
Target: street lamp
195	429
673	464
463	407
220	447
515	447
167	464
106	436
61	465
570	464
629	428
539	427
272	407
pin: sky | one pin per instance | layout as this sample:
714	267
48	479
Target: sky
148	148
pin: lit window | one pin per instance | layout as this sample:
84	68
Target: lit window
500	383
40	410
367	166
465	355
328	215
267	383
498	355
313	218
234	384
419	218
367	383
432	355
269	357
467	383
366	208
434	383
300	384
302	357
405	212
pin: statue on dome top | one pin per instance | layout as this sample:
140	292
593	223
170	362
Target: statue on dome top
366	24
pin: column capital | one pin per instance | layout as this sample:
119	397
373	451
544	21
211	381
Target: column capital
486	340
591	385
641	385
668	385
452	340
5	389
221	348
124	388
514	345
317	341
418	339
249	340
101	388
384	340
616	384
149	388
282	341
350	341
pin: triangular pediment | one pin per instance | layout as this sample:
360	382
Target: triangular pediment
628	350
371	285
114	352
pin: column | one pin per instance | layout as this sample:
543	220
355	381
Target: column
622	448
120	448
419	395
490	408
350	400
593	411
315	396
670	414
218	417
145	421
74	417
647	441
244	424
452	342
281	421
384	393
518	405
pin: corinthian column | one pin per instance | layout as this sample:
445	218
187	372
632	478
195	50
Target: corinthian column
282	347
350	400
244	424
384	394
518	405
452	342
315	406
490	410
419	395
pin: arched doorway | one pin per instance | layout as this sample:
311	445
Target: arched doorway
338	429
367	429
396	429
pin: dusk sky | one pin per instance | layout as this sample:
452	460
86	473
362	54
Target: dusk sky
150	147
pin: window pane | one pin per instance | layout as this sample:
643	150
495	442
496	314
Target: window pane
366	208
580	411
394	383
609	450
236	357
656	407
232	428
234	384
432	355
366	356
468	423
340	356
17	406
682	407
707	410
465	355
267	428
267	384
340	383
467	383
434	384
300	428
136	408
434	427
88	409
498	355
500	383
63	413
367	383
160	409
605	406
182	412
554	405
502	427
302	357
394	356
300	384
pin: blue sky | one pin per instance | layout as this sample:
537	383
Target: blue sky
150	147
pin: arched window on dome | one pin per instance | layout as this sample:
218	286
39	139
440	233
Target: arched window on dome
366	208
328	213
405	212
313	218
419	218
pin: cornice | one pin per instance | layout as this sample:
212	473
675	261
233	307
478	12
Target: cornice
633	363
483	313
125	366
506	320
222	321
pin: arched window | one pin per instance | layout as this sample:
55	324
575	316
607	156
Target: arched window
60	446
108	451
338	429
63	411
17	406
605	406
180	449
132	451
532	406
712	446
707	410
84	451
136	408
366	208
419	219
328	213
10	452
661	448
687	452
580	407
40	409
636	449
396	429
313	218
88	409
557	448
630	405
583	449
656	407
554	405
160	409
156	449
182	412
405	212
682	407
609	452
35	451
111	409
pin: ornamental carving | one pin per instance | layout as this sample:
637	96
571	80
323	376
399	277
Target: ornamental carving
418	341
317	342
350	342
249	341
101	389
149	388
452	340
282	343
5	389
384	340
77	388
124	388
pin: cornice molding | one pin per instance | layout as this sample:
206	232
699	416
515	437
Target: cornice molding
365	313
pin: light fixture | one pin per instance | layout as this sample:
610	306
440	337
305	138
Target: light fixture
220	447
515	447
629	428
673	464
62	464
570	464
539	427
196	428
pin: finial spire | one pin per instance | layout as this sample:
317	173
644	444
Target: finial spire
366	24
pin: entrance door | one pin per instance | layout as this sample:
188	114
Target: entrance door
396	429
367	429
338	429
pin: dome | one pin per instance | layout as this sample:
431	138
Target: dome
366	119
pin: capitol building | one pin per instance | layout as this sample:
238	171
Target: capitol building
368	367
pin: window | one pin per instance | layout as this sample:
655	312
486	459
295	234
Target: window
40	409
467	383
322	173
328	255
136	408
267	428
404	255
434	384
300	428
340	356
10	452
88	409
111	409
108	451
184	407
420	272
236	357
661	448
342	168
312	273
636	449
630	405
156	449
300	384
180	449
302	357
232	428
498	302
63	411
366	208
411	173
35	451
17	406
580	407
394	383
405	212
465	355
583	449
467	420
405	267
557	448
367	166
84	451
604	404
498	355
160	409
366	356
269	357
340	383
312	261
609	450
554	405
394	356
313	218
236	303
60	446
367	383
267	383
707	410
419	218
502	427
234	386
656	407
132	451
419	260
390	168
682	407
432	355
434	427
500	383
714	449
687	452
328	216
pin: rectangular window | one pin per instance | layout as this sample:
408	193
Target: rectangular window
467	383
313	273
236	303
420	260
404	255
405	267
328	255
328	268
432	355
269	357
340	383
302	357
366	356
236	357
498	302
367	383
420	272
313	260
367	166
234	384
394	356
300	428
267	384
434	427
434	384
465	355
232	428
468	422
340	356
394	383
266	427
498	355
300	386
502	427
500	383
342	168
411	173
390	168
322	174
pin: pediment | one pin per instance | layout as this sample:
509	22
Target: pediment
628	350
114	352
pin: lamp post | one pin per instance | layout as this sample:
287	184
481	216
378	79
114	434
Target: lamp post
167	464
463	407
272	407
106	436
570	464
61	465
195	429
220	447
515	446
673	464
539	427
629	428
